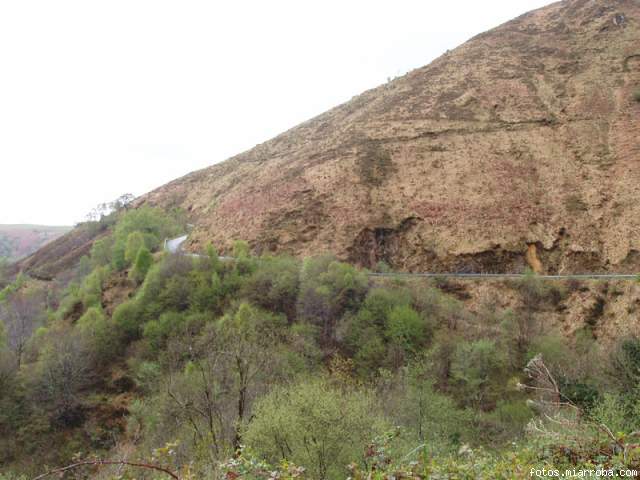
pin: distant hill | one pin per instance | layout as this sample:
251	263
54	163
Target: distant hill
18	241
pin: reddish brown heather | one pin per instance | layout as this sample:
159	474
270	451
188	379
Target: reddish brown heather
525	135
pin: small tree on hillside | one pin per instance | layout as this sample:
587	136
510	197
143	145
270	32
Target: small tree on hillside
317	425
143	263
135	241
21	314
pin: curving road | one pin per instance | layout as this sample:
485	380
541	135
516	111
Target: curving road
488	276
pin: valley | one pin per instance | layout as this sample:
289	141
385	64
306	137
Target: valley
438	279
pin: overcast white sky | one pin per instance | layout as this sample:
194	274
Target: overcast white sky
100	98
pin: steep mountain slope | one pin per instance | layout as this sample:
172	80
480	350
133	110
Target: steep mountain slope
17	241
524	139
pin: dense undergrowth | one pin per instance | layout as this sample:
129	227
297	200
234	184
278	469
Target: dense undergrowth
272	367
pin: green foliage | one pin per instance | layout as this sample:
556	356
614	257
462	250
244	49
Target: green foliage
135	241
84	267
99	334
3	336
137	228
241	249
307	363
101	251
153	223
118	260
214	257
158	331
406	328
615	412
128	319
274	285
385	330
206	291
307	423
382	267
508	421
625	363
90	291
478	369
329	289
142	264
4	264
636	95
433	417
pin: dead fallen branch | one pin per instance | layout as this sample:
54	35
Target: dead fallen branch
108	462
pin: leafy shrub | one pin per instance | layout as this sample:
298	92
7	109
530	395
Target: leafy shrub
479	368
625	363
406	328
128	318
274	285
91	289
99	333
434	418
102	251
142	264
316	425
135	241
148	221
157	331
241	249
636	95
328	289
368	333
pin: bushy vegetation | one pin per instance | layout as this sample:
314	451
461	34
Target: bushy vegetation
271	367
636	95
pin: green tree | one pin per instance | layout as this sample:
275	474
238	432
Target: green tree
625	363
479	368
118	260
329	289
158	331
274	285
406	328
102	251
434	417
90	291
99	334
315	424
248	339
153	223
143	262
128	319
135	241
241	249
214	257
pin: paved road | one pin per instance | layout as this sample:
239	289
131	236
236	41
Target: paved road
494	276
175	244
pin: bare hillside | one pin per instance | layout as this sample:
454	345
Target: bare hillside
520	146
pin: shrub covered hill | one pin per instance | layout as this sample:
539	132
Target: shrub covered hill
516	151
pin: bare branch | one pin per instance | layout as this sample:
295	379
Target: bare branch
108	462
